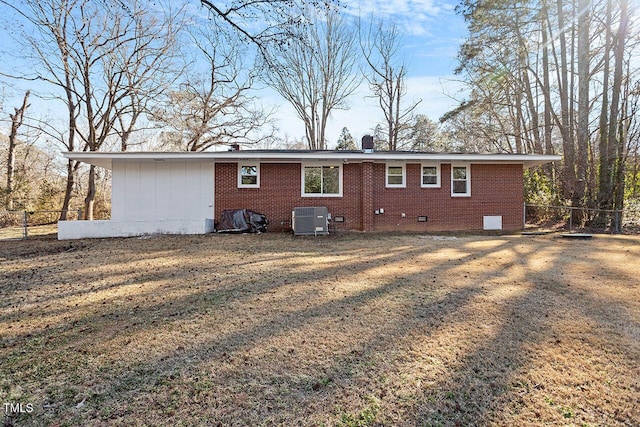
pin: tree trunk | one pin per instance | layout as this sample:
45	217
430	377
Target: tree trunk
518	120
124	139
617	114
389	83
548	107
524	97
89	201
604	173
533	112
568	171
582	157
68	190
16	121
70	145
92	139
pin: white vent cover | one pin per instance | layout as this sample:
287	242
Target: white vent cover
310	221
492	222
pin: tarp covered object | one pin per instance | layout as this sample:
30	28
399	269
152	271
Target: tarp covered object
242	221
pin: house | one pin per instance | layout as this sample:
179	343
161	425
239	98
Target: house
367	190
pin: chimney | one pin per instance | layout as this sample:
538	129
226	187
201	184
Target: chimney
367	144
235	147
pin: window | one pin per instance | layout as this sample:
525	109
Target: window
460	181
396	176
248	175
430	176
322	181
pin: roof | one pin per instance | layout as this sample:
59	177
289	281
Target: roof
105	159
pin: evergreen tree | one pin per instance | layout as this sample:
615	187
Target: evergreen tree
346	141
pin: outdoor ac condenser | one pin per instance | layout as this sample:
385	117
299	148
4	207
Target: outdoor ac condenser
310	221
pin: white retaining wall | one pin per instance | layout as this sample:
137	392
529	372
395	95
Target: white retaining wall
68	230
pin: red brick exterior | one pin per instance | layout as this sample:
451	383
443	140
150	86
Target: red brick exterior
496	189
367	196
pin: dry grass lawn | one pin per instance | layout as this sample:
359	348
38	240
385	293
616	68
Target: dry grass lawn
349	330
40	231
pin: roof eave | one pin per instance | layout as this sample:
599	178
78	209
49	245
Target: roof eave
105	159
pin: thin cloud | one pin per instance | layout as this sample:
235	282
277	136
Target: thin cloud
397	8
416	17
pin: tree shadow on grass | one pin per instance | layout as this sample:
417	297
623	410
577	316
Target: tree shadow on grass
492	385
70	350
335	363
312	359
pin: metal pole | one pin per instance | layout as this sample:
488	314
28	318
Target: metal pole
570	218
25	222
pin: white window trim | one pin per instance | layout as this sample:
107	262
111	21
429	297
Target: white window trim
404	175
243	164
319	165
468	167
438	182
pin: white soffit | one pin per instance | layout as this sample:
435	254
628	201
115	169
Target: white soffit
105	159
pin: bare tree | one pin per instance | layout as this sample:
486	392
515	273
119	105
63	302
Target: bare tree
118	55
37	183
48	50
633	135
386	76
103	59
582	125
316	74
617	138
545	84
264	23
567	62
17	119
148	64
212	106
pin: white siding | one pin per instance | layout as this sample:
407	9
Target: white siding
162	191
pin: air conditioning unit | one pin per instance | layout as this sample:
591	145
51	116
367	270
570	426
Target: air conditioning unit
310	221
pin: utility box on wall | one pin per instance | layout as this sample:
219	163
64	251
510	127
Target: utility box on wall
310	221
492	222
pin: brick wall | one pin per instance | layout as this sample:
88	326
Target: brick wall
280	191
367	205
495	190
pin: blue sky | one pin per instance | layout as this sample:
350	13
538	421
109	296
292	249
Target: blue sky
432	30
432	34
